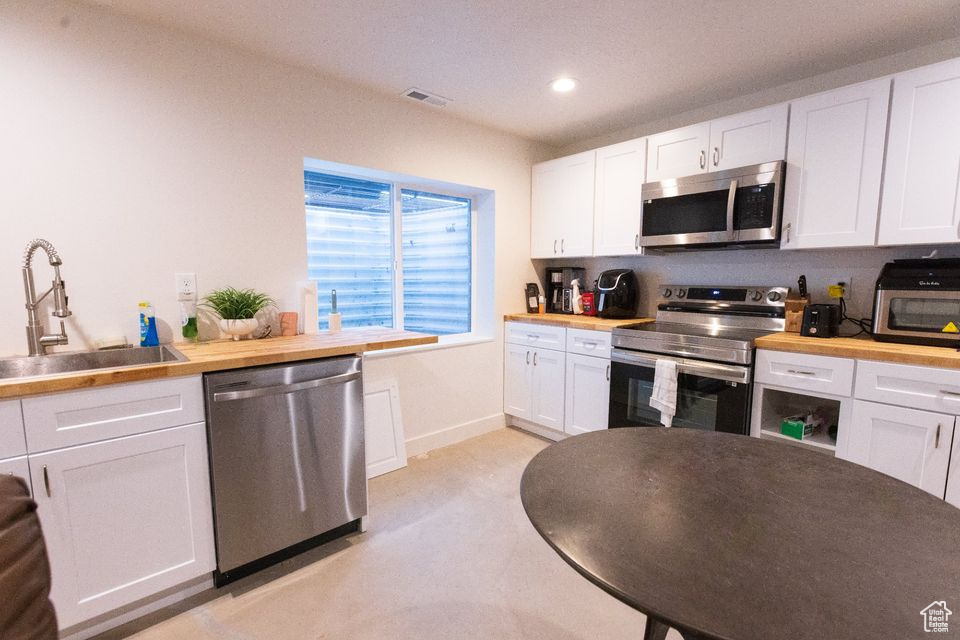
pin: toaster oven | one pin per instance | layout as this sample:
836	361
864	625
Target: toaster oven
918	302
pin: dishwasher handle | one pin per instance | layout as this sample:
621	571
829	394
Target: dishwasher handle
257	392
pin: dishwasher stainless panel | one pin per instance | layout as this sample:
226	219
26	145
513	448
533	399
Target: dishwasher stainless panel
286	456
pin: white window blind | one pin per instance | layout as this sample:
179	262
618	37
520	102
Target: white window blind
353	236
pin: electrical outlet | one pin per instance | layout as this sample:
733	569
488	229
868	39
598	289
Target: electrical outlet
839	288
186	286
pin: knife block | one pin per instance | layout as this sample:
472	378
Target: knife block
793	313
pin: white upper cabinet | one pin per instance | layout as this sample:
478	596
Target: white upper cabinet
678	153
562	207
748	138
921	186
621	170
742	139
834	167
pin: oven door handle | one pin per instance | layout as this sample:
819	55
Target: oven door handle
730	373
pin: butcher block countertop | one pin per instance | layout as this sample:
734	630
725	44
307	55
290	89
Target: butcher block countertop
864	348
571	321
219	355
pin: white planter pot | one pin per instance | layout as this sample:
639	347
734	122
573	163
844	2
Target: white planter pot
237	328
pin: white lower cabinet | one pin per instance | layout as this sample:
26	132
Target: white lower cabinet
124	518
533	384
16	467
587	403
908	444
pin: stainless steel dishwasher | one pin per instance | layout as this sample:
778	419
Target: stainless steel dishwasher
287	467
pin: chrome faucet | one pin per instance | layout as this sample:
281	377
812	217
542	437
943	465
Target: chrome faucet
37	341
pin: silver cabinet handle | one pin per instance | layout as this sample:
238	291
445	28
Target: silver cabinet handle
528	357
561	245
703	159
636	242
46	480
534	358
554	247
936	441
801	373
716	156
608	373
789	224
947	392
285	388
589	344
532	336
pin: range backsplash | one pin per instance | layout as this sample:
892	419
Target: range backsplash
765	267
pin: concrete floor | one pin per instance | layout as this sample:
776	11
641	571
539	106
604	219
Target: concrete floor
449	554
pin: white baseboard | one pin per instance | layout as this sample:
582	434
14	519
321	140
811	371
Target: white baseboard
454	434
546	432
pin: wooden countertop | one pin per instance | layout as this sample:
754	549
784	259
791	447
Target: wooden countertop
864	348
573	322
220	355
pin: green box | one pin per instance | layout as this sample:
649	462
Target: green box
795	428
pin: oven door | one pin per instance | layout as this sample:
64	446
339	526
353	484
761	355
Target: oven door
710	396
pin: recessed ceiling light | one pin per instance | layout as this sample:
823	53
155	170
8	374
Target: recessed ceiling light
563	85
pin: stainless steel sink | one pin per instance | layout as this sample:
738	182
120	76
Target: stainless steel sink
29	366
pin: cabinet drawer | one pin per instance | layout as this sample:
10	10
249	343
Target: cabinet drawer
909	386
804	371
536	335
589	343
12	442
79	417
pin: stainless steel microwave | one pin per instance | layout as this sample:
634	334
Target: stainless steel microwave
731	207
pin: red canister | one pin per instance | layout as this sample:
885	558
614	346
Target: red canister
586	299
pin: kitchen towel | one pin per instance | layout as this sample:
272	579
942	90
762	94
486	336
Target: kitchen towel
664	396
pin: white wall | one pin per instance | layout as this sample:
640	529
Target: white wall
140	151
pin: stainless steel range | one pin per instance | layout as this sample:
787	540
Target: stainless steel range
709	332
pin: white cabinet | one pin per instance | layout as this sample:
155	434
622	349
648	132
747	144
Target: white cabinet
16	467
921	184
533	384
562	202
124	518
953	475
12	441
517	391
742	139
908	444
588	393
747	138
822	374
621	171
678	153
834	167
547	380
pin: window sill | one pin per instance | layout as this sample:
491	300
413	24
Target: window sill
443	343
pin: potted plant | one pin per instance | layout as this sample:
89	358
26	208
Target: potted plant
237	308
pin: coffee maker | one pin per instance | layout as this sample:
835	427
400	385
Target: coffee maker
560	288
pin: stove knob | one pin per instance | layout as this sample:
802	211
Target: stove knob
667	293
681	293
756	296
774	296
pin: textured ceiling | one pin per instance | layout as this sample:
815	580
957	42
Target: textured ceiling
635	60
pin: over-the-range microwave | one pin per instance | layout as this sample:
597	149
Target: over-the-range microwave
731	207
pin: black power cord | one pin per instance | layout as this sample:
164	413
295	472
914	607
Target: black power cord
865	325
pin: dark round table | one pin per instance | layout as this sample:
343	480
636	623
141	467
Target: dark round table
736	538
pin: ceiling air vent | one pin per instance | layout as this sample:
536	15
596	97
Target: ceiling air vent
426	97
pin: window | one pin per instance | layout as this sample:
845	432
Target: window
397	257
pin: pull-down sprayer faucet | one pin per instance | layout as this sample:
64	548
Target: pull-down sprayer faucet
37	341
